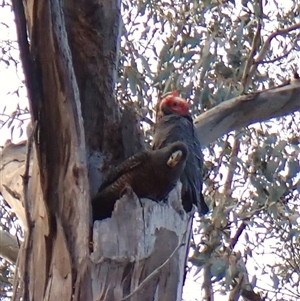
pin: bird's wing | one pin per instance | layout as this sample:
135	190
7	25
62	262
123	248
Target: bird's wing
125	167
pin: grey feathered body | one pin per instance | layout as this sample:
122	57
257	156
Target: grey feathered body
147	173
169	129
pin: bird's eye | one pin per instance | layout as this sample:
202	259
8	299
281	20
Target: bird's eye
174	104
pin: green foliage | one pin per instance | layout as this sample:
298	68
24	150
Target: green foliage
257	212
200	46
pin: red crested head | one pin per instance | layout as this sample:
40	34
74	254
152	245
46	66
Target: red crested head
172	104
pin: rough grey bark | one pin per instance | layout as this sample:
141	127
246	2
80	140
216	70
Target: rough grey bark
146	259
93	29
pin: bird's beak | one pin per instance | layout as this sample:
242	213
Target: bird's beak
174	158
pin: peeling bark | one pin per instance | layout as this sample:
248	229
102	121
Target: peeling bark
58	193
12	167
146	259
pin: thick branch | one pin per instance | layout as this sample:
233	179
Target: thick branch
245	110
9	246
31	78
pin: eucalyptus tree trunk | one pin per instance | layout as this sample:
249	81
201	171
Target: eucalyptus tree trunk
69	58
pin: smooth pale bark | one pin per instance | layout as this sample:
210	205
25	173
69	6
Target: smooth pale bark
12	167
245	110
9	246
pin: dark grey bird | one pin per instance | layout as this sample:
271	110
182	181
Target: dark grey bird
174	123
151	174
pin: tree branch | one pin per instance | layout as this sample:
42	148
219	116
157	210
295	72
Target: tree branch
27	62
245	110
232	165
12	166
9	247
255	44
234	240
267	43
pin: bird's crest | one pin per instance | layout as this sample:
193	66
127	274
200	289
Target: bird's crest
175	93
